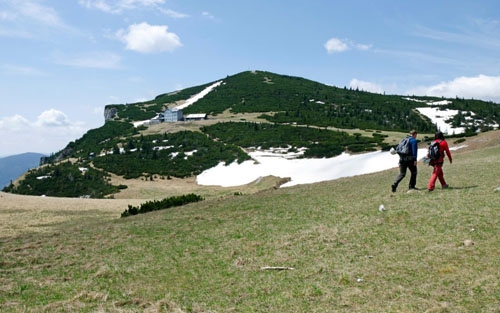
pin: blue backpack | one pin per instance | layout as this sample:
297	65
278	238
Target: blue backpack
403	148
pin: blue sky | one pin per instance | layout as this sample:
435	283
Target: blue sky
61	62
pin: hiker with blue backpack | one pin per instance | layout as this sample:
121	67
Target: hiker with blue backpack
437	159
407	150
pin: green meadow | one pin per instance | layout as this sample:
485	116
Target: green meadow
323	247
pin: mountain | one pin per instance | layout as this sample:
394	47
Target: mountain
12	167
248	110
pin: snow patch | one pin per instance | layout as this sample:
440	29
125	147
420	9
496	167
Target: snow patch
300	171
198	96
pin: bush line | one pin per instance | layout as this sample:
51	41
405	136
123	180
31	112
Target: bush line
166	203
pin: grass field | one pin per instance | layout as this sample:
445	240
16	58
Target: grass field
335	251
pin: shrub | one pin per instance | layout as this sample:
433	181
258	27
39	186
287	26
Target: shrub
166	203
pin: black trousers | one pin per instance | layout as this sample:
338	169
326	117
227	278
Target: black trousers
405	165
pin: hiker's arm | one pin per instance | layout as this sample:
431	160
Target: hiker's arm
448	154
414	149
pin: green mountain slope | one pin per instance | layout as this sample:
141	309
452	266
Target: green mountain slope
288	111
298	100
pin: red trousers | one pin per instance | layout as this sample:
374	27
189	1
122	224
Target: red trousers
437	173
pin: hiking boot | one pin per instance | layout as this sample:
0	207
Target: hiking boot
393	188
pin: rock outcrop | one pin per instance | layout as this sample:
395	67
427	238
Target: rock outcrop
109	113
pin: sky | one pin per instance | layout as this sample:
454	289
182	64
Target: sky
61	62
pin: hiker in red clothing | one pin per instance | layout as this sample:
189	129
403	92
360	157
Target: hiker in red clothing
437	172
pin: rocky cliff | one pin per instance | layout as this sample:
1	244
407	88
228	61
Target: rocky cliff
109	113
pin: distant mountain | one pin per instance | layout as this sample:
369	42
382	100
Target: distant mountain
245	111
12	167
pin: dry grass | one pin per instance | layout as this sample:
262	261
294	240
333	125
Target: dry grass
26	214
163	188
226	116
29	214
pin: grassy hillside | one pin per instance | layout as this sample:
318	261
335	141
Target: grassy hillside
427	252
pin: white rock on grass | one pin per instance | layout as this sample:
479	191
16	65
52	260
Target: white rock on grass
468	243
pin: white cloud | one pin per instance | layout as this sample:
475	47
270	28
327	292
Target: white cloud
480	87
44	15
335	45
50	132
132	4
208	15
479	32
363	47
365	86
52	118
147	38
117	7
30	19
32	11
13	123
99	5
173	14
101	60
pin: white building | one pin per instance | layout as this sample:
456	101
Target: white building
173	115
196	117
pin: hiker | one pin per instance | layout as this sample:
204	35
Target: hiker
408	161
437	172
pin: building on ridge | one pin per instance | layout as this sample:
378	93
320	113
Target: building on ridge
173	115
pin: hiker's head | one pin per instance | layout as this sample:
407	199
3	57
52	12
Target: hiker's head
413	133
439	135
